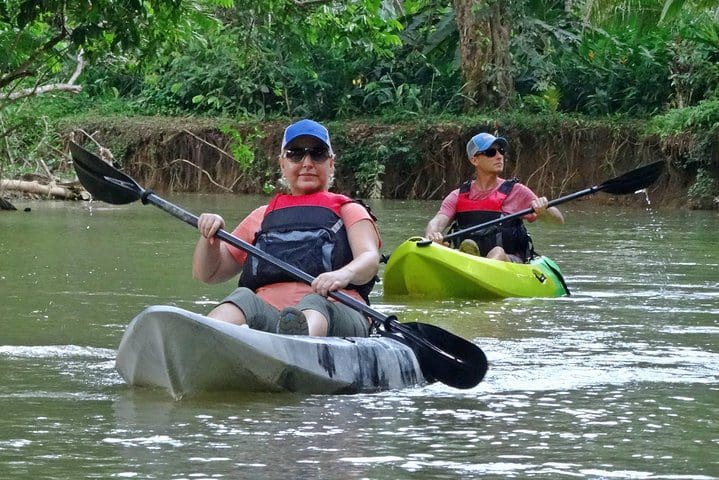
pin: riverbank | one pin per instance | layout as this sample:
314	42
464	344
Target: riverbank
418	159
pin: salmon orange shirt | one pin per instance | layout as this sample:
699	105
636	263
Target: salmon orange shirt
287	294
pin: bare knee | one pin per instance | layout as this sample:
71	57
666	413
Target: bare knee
498	253
228	312
317	323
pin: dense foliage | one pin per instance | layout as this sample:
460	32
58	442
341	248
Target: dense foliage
55	46
338	59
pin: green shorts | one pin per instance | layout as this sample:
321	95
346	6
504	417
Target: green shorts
342	320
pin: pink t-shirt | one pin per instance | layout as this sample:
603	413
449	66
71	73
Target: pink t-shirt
287	294
520	198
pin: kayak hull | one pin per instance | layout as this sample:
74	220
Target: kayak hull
187	353
436	271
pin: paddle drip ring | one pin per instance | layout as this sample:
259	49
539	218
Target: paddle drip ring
145	194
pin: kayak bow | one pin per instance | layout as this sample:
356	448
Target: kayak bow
436	271
187	353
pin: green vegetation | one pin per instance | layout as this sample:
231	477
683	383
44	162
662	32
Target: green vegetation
652	61
698	126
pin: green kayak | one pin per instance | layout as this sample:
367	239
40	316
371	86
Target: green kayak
436	271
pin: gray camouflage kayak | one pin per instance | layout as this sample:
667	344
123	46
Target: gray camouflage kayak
187	353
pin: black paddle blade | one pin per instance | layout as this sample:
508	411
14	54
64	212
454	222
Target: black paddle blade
102	180
634	180
463	364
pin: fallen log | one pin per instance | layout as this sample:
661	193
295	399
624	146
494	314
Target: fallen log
36	188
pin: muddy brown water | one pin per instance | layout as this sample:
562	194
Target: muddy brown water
619	380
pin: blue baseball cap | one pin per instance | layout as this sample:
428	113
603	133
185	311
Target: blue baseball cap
482	141
306	127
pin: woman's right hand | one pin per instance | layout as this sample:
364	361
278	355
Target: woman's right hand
436	237
208	224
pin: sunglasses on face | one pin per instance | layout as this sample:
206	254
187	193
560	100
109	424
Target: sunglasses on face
317	155
491	152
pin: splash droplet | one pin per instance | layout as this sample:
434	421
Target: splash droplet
646	195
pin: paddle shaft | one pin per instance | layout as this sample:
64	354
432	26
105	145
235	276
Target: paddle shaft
521	213
189	218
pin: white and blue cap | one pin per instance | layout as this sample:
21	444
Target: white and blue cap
482	141
306	127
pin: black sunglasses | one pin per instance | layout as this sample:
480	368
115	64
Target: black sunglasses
317	155
490	152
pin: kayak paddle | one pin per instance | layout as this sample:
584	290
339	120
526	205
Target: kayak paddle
629	182
441	355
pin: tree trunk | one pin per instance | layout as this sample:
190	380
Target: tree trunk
484	53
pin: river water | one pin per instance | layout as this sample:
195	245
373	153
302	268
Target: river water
619	380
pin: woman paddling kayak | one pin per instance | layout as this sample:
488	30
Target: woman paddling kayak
327	235
486	198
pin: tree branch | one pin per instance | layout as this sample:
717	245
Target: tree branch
22	70
68	87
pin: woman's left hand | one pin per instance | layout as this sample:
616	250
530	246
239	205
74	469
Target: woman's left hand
328	282
540	205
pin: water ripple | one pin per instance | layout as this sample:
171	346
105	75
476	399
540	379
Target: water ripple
55	351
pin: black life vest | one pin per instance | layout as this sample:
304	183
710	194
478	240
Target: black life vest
305	231
512	236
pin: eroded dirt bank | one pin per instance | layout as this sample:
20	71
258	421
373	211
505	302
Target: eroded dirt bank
412	160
